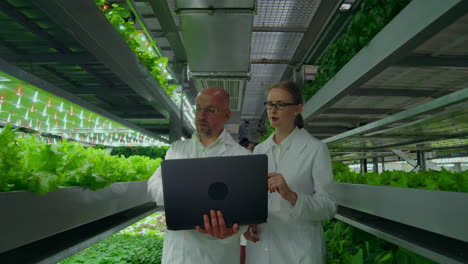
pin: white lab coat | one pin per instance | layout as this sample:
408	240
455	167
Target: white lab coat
293	234
190	246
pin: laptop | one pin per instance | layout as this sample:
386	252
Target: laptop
236	185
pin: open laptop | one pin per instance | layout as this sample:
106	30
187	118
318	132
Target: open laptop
236	185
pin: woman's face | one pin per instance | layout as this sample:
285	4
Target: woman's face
282	118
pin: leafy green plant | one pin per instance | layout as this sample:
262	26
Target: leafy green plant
151	152
346	244
371	17
119	17
30	164
443	180
122	249
9	165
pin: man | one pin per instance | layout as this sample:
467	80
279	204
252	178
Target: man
215	243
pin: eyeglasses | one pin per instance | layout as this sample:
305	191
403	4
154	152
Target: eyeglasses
277	106
208	110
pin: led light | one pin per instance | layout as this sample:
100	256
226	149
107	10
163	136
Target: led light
121	27
65	121
19	90
49	102
345	7
35	96
81	115
61	107
18	102
26	116
44	112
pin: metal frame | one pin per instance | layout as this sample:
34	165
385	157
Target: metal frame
435	104
92	30
394	42
41	84
433	246
440	212
28	217
65	244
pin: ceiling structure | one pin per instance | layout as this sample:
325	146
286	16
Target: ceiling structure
78	53
280	36
75	49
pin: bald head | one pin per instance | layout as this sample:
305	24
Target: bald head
219	94
212	112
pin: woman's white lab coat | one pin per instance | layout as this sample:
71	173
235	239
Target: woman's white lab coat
293	234
190	246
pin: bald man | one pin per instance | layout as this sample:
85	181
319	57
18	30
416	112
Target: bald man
214	242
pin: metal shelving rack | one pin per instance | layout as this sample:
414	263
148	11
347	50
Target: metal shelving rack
408	89
48	228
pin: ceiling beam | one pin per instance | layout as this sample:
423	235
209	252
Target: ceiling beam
138	108
171	32
129	116
103	90
70	58
431	61
149	121
154	126
360	111
60	75
327	130
280	29
267	61
11	11
341	120
398	92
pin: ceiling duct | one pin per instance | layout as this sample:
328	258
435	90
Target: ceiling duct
217	36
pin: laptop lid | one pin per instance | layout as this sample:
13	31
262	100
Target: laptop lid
236	185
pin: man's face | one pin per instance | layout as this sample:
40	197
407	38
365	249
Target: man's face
210	115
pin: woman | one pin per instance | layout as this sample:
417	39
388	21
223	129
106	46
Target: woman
299	168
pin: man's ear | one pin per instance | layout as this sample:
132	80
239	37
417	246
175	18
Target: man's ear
228	115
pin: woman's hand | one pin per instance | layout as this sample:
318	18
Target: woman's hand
276	183
251	233
217	228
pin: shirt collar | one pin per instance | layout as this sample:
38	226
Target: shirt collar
221	139
287	141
